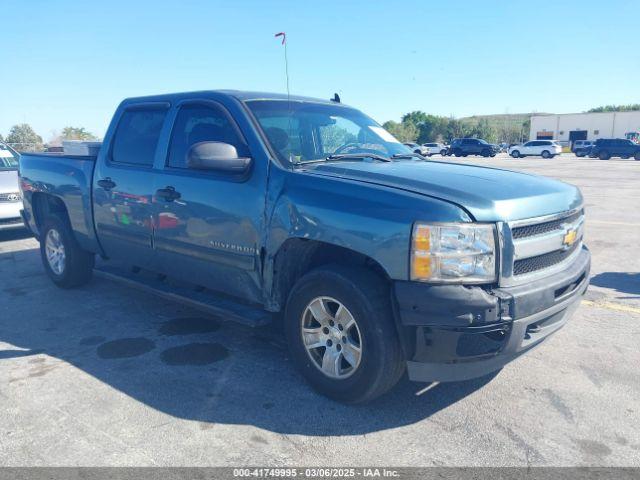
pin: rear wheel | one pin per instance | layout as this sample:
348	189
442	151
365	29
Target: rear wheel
515	154
604	155
341	333
65	262
443	152
485	153
637	156
457	152
546	154
579	154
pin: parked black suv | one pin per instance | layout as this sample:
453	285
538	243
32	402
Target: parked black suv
605	148
461	147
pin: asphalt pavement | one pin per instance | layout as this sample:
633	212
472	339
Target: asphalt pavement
108	376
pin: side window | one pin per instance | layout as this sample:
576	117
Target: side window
201	123
136	137
529	144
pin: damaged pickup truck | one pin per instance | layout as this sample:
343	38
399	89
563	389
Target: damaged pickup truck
265	207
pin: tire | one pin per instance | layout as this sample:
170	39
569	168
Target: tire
580	155
457	152
546	154
637	156
515	154
604	155
70	266
485	153
626	157
493	155
366	300
443	152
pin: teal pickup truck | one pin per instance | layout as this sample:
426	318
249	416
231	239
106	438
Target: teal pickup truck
264	207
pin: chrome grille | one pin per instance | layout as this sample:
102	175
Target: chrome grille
540	262
545	227
537	247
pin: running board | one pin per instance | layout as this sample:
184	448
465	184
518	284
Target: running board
191	296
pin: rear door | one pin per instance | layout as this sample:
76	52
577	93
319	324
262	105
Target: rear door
207	232
123	185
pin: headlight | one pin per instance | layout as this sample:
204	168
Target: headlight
453	253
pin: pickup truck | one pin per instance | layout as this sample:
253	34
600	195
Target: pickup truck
306	213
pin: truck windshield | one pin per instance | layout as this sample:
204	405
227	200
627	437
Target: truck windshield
300	132
7	160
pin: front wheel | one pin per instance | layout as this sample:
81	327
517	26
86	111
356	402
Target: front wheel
604	155
637	156
515	154
546	154
341	333
443	152
66	264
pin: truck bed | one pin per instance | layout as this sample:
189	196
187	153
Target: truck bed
67	177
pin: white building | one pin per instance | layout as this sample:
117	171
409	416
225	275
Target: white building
569	127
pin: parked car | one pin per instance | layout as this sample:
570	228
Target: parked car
10	197
434	149
416	148
461	147
605	148
539	148
582	148
374	261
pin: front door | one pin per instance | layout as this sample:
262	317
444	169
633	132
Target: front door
123	186
207	226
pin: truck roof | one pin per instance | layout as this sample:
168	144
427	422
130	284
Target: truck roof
238	94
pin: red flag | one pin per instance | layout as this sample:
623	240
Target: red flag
283	35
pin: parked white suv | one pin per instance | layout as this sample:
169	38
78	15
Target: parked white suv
434	149
541	148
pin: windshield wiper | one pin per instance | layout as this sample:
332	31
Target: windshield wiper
409	155
349	156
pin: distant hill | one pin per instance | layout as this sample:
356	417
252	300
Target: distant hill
499	120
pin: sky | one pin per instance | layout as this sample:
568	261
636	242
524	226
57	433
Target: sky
69	63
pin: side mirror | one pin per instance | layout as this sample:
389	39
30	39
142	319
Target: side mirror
216	156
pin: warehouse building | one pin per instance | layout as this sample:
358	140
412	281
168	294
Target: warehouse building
568	127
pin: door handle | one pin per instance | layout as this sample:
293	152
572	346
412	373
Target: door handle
106	183
168	194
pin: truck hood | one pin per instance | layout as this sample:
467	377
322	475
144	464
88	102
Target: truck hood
9	181
488	194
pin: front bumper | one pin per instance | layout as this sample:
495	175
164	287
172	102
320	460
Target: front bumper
466	332
10	215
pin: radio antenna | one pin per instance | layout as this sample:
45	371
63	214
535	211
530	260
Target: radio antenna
286	71
286	60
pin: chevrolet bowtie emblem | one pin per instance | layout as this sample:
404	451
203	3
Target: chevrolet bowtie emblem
570	237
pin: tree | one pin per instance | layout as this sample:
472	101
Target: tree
616	108
76	133
404	131
23	138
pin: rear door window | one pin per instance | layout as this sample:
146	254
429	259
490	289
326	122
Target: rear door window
137	135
